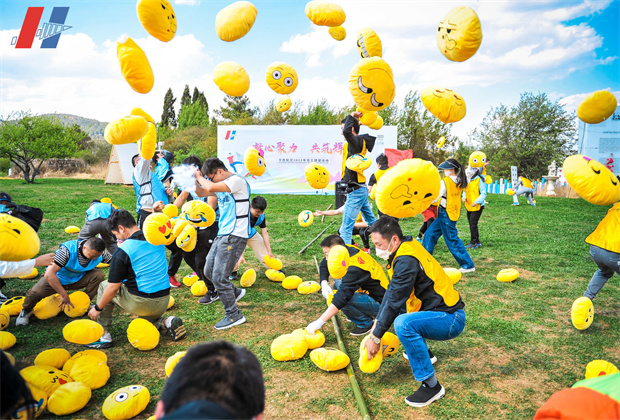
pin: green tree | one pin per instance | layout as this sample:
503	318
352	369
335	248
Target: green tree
29	140
530	135
462	152
390	114
237	110
193	115
319	113
195	95
168	117
199	141
186	99
271	116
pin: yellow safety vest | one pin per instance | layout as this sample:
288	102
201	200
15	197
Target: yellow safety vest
472	192
526	183
453	199
345	154
607	233
442	285
379	174
367	263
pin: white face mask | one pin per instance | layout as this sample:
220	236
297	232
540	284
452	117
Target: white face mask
384	253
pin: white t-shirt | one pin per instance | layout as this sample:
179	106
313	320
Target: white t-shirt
240	190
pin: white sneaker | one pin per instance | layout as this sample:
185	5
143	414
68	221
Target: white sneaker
23	318
467	270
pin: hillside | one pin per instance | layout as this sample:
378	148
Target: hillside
91	127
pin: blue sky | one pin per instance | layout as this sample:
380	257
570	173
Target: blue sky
563	48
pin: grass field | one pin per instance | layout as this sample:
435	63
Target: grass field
518	346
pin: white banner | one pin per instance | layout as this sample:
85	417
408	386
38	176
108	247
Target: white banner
288	149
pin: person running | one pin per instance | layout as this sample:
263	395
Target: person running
452	186
523	187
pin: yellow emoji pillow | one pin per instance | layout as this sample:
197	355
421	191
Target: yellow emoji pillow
459	34
157	17
19	241
231	78
282	78
135	67
371	84
445	104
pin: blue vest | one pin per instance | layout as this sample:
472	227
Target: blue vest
161	169
149	264
72	272
260	220
99	211
158	191
232	210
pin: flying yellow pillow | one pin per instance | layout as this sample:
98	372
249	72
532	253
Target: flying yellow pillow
372	365
46	378
47	307
125	403
338	261
69	398
305	218
231	78
14	305
441	142
142	334
598	368
281	78
275	275
190	279
445	104
135	66
273	263
198	213
325	13
378	124
284	104
288	347
72	229
149	143
582	313
459	35
369	44
5	318
248	278
157	229
507	275
19	241
199	288
317	175
81	303
329	360
126	130
314	341
172	361
338	33
308	287
597	107
82	331
102	265
235	21
158	18
53	357
291	282
254	162
371	84
139	112
454	275
7	340
591	180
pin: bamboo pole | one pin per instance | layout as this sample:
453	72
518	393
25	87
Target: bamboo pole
323	217
357	392
317	237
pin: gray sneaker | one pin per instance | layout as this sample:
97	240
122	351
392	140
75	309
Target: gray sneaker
209	298
228	322
239	295
23	318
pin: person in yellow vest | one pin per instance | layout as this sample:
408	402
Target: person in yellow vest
473	196
359	292
524	186
382	164
452	186
605	250
434	308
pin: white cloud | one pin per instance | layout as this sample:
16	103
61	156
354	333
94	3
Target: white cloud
188	2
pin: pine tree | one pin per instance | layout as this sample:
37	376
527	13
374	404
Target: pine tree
202	100
237	110
186	99
195	95
168	117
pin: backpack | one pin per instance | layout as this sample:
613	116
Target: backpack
31	215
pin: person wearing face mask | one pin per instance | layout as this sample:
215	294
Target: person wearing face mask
360	291
434	308
452	186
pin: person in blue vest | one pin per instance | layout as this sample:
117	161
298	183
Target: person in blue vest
97	224
74	268
163	159
137	282
233	200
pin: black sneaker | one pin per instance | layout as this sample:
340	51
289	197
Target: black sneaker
239	294
210	297
356	332
425	395
175	327
430	355
100	344
233	276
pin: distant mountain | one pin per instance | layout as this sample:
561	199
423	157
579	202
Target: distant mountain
91	127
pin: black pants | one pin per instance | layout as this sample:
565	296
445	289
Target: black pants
199	254
472	218
142	215
425	226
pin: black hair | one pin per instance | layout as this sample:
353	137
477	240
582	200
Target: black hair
212	165
192	160
133	159
259	203
96	244
382	160
332	240
121	218
461	179
356	124
219	372
95	201
16	395
387	227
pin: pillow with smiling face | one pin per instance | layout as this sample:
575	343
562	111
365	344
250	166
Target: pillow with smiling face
46	378
368	43
408	188
591	180
459	34
157	17
157	229
19	241
445	104
284	104
198	213
371	83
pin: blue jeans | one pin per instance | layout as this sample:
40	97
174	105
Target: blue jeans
529	194
414	328
608	263
356	201
446	227
361	309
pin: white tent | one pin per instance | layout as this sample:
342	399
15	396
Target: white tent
120	169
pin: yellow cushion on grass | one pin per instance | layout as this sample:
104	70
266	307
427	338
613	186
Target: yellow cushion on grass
135	67
275	275
582	313
599	368
170	302
5	318
338	261
158	18
273	263
453	274
142	334
510	191
507	275
372	365
329	359
82	331
199	288
190	279
53	357
91	371
19	241
40	398
248	278
314	341
7	340
47	378
172	361
125	403
72	229
308	287
81	303
47	307
126	130
288	347
291	282
32	274
90	352
325	13
69	398
14	305
235	20
389	344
